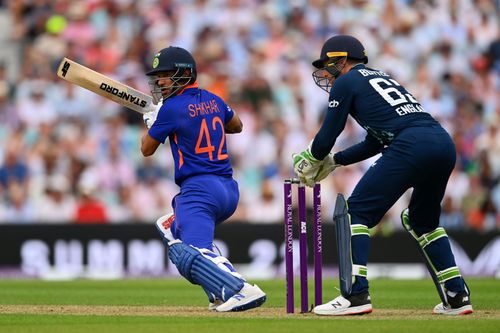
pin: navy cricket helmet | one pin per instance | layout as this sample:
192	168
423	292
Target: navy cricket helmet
171	59
332	61
180	67
341	45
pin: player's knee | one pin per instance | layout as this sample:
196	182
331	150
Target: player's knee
182	256
221	262
420	223
423	234
361	214
360	218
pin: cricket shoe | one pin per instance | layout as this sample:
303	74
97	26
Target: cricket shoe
248	297
340	306
458	305
163	225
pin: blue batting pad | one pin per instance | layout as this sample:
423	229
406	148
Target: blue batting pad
202	271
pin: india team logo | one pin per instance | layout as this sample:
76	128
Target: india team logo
156	62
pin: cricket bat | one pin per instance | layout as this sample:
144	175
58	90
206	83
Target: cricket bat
105	86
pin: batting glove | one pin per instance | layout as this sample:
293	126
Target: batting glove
150	117
306	167
326	167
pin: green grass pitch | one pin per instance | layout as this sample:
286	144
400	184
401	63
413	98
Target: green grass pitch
173	305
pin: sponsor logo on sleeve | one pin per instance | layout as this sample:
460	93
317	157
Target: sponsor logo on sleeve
333	104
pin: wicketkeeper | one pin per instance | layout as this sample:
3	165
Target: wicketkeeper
416	153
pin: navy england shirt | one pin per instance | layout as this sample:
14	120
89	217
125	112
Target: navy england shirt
378	103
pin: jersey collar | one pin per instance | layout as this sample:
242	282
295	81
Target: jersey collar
189	86
357	66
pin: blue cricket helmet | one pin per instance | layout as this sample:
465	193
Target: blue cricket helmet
173	58
180	67
341	45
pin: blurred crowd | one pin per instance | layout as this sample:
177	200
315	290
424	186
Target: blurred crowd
69	156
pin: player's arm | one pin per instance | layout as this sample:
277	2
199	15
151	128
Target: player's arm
234	125
359	152
336	117
163	124
316	162
149	145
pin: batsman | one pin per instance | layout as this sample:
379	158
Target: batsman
416	153
195	122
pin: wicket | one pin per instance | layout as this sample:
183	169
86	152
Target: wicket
317	245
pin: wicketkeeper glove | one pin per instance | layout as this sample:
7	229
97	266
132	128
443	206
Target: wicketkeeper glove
306	166
150	117
326	167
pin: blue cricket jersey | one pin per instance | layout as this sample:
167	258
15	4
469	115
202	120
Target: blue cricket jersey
378	103
194	123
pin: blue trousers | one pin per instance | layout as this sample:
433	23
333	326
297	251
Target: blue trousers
203	202
421	158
